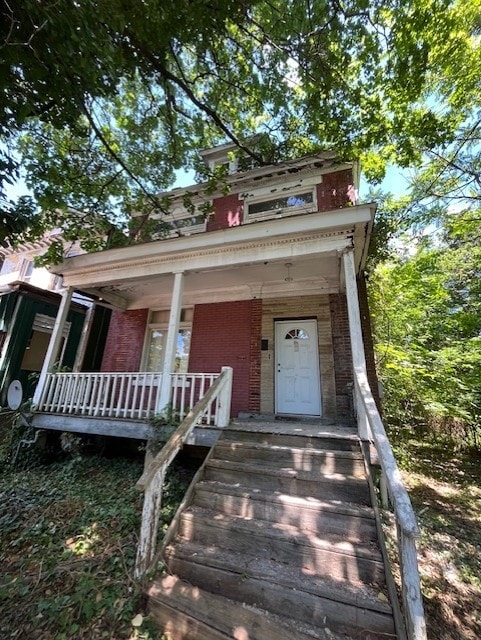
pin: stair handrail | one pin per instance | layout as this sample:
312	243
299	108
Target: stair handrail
152	479
406	523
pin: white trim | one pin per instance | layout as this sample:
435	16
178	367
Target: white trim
299	184
272	214
216	248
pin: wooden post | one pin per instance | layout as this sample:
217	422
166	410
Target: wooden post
225	396
357	342
150	524
171	343
54	344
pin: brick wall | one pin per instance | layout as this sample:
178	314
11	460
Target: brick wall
228	212
255	357
125	339
368	341
332	192
341	345
224	334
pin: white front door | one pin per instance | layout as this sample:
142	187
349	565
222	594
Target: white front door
298	389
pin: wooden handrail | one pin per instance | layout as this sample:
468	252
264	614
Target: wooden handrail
407	526
152	479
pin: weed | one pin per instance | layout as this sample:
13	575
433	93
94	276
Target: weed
68	537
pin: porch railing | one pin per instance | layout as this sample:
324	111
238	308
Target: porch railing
370	425
133	396
152	479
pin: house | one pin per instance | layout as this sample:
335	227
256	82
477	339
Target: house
29	300
258	285
258	310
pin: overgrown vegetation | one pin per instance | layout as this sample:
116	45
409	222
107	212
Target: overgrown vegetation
445	488
68	539
426	304
101	102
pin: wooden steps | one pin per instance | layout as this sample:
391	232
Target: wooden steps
278	541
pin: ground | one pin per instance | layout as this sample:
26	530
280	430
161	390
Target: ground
68	534
445	488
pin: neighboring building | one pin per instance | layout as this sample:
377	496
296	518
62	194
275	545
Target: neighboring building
29	303
257	286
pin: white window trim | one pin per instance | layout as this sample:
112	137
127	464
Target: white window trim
266	194
155	326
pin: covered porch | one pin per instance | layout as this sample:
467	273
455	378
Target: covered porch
285	269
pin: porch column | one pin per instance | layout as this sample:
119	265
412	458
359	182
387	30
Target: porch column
171	342
355	332
86	329
54	344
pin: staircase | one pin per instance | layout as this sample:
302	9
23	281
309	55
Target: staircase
277	542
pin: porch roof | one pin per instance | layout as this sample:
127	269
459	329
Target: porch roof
242	262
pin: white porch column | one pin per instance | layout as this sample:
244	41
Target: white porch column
355	331
171	343
54	344
82	347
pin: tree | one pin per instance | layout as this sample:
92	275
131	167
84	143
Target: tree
427	317
102	99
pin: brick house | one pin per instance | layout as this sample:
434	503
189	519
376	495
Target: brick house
258	286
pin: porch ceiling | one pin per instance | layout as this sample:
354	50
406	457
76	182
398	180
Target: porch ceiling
231	264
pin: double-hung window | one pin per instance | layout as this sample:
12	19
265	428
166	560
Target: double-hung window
157	337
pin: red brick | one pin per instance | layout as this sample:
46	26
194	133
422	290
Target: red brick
222	335
123	349
228	212
332	192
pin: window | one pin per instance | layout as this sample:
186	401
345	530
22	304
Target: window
299	200
171	226
26	270
281	200
297	334
157	338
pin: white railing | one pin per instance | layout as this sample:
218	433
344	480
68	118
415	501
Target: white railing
133	396
370	423
152	479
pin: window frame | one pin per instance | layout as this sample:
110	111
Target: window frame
286	190
161	326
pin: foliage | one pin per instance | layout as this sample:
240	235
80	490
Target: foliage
101	100
67	547
163	425
426	304
444	484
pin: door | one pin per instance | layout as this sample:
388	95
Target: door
298	389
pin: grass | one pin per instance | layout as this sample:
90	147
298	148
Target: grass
68	539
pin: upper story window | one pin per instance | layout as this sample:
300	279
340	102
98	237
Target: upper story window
303	200
281	200
26	270
173	225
